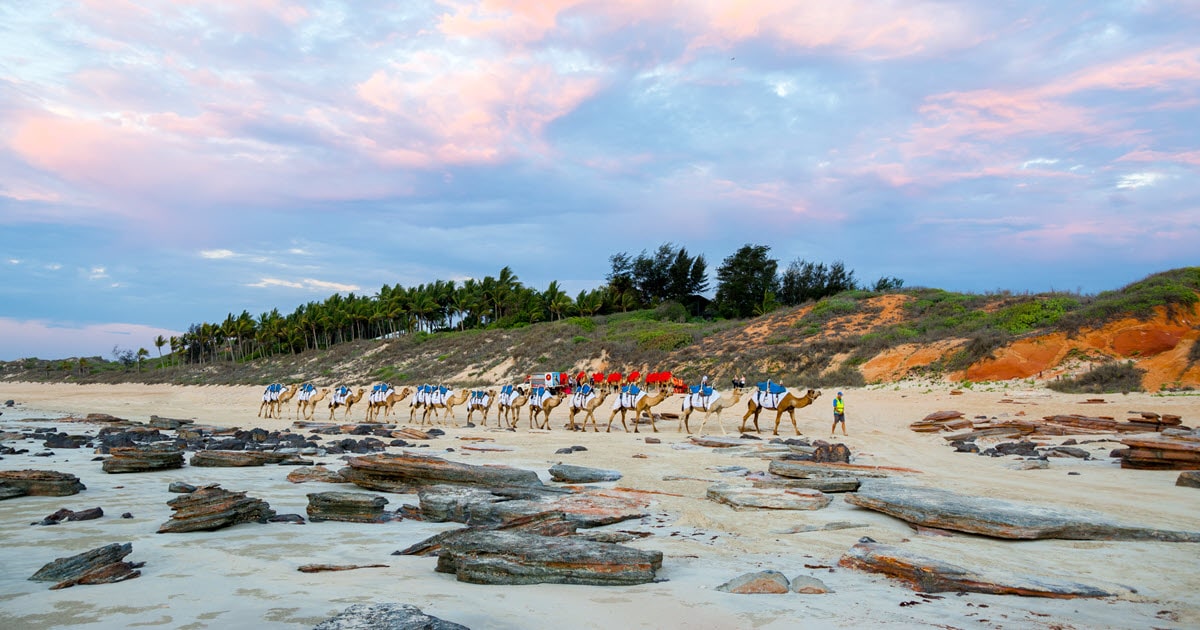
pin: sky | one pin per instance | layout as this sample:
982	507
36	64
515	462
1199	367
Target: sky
164	163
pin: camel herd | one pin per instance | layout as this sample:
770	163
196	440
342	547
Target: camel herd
539	401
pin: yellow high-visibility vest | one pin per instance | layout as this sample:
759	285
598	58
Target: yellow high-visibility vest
839	405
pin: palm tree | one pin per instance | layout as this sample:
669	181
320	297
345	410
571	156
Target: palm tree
159	342
142	353
556	300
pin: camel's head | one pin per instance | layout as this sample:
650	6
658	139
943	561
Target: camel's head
814	394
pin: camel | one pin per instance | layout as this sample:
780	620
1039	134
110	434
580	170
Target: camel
511	412
271	404
306	407
474	405
448	404
545	408
348	403
285	398
642	405
386	404
716	406
789	403
590	407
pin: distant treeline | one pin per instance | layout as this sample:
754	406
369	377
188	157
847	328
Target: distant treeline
748	284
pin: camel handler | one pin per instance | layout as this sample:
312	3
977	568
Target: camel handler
839	415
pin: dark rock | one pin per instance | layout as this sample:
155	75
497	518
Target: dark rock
295	519
567	473
127	515
1188	479
831	453
386	617
1067	451
802	470
9	403
757	583
504	557
928	575
102	565
653	440
42	483
159	422
942	509
180	487
62	440
747	436
68	515
143	458
405	473
1069	442
965	447
353	507
1118	452
1024	448
563	451
578	448
1073	474
212	507
828	485
44	454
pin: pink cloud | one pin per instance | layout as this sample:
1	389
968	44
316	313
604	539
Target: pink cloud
483	110
1190	158
50	340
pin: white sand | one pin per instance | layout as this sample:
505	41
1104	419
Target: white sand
246	576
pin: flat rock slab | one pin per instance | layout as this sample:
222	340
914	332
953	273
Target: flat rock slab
928	575
238	459
942	509
828	485
211	508
103	565
497	507
351	507
1189	479
42	483
405	473
714	441
386	617
9	491
568	473
769	498
505	557
805	470
143	458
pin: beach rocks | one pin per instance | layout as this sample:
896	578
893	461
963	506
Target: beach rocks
143	458
828	485
757	583
305	474
929	575
172	424
770	498
179	487
802	470
9	491
1166	452
63	440
102	565
41	483
70	515
406	473
386	617
567	473
353	507
238	459
212	507
500	507
826	453
1189	479
504	557
942	509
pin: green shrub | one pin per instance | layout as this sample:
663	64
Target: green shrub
1108	378
1034	314
579	339
586	324
832	307
663	340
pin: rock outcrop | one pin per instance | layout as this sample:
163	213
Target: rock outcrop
500	507
386	617
102	565
504	557
407	473
568	473
929	575
942	509
42	483
143	458
353	507
212	507
238	459
305	474
770	498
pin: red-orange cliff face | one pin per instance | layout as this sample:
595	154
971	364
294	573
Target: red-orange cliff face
1159	345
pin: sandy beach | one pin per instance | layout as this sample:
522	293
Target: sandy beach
246	576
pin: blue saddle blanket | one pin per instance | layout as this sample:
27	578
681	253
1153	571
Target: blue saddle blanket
703	391
505	390
382	387
771	388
